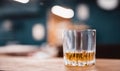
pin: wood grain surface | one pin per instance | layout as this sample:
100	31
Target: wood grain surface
53	64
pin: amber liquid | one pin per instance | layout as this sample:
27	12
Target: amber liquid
80	56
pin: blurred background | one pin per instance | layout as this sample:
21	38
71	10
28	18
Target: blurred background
30	26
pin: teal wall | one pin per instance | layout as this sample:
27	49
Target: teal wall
22	31
25	34
23	17
107	23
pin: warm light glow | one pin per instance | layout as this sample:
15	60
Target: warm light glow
38	32
22	1
108	4
7	25
83	12
62	12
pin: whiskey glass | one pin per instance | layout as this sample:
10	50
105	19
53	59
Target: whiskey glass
79	47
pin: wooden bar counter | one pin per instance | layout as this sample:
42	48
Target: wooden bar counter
53	64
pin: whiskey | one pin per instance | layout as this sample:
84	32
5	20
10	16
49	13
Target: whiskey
80	56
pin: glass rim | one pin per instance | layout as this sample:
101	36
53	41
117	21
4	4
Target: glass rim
81	30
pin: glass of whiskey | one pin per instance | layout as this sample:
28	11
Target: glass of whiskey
79	47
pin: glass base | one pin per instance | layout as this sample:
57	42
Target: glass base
79	63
